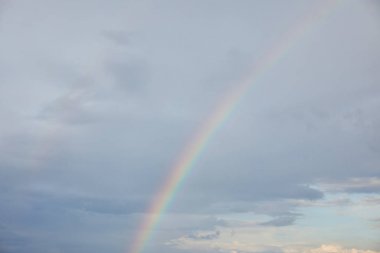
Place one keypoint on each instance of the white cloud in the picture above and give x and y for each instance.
(237, 246)
(327, 248)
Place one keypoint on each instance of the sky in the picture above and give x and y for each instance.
(98, 100)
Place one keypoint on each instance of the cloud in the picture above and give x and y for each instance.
(97, 100)
(53, 222)
(194, 243)
(376, 222)
(328, 248)
(118, 37)
(129, 75)
(199, 244)
(11, 241)
(234, 193)
(205, 235)
(73, 107)
(281, 221)
(353, 185)
(372, 200)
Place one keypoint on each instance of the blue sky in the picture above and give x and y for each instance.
(98, 98)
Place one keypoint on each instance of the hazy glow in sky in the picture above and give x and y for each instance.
(99, 98)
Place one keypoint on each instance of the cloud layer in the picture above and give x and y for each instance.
(97, 100)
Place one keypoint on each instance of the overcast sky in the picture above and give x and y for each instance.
(99, 98)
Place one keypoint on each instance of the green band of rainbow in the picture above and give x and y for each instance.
(191, 152)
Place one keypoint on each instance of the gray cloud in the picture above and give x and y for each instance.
(118, 36)
(70, 108)
(98, 100)
(129, 75)
(280, 221)
(353, 185)
(205, 236)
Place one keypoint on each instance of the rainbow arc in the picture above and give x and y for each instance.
(194, 149)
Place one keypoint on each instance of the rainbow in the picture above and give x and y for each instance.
(193, 150)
